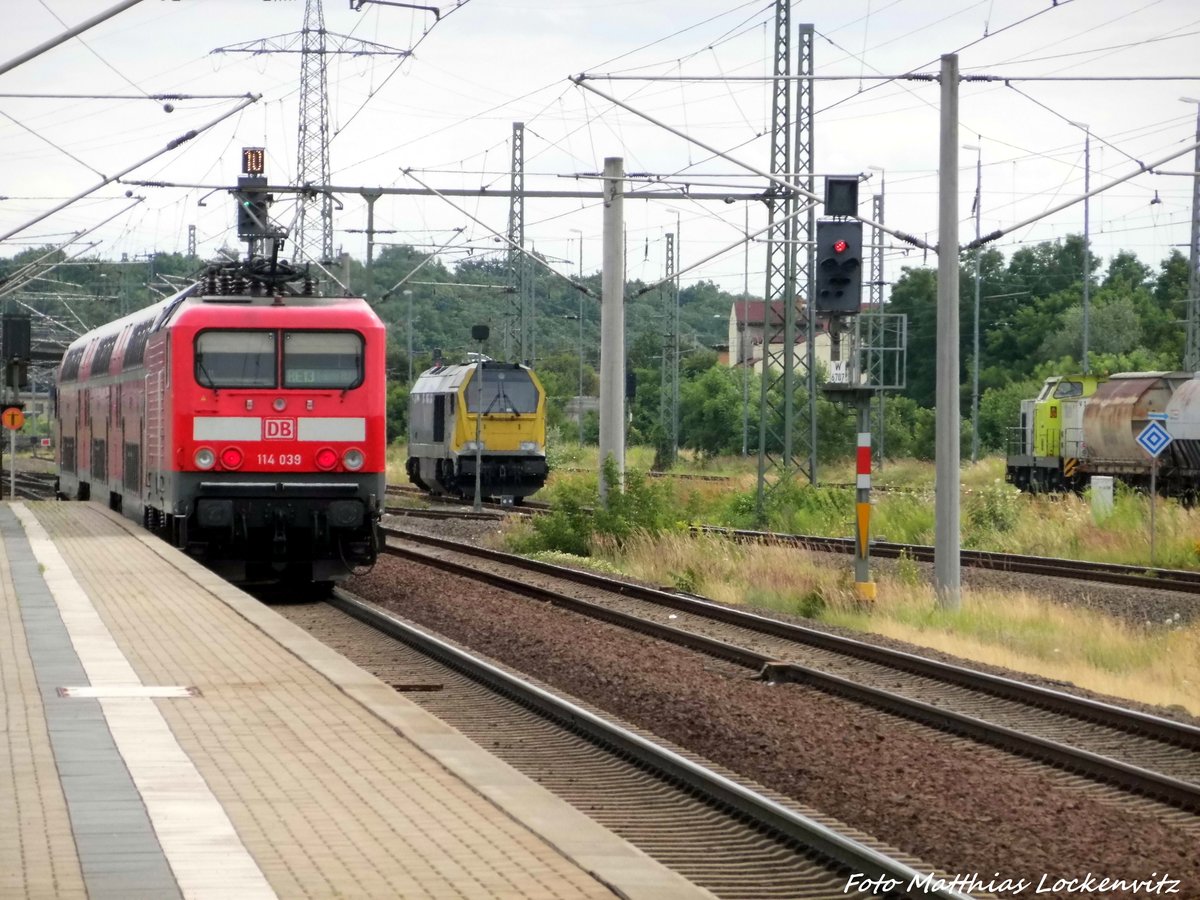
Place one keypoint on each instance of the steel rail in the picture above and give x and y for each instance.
(1085, 570)
(804, 831)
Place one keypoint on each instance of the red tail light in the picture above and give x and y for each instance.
(327, 458)
(231, 458)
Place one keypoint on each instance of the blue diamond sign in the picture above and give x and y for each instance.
(1154, 438)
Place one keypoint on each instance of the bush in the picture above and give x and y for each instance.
(577, 516)
(992, 510)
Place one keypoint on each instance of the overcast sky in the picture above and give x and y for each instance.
(447, 114)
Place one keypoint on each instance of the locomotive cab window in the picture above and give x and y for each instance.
(322, 359)
(1068, 389)
(235, 359)
(505, 390)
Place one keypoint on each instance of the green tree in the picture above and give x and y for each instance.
(1000, 411)
(710, 412)
(397, 412)
(915, 296)
(1113, 327)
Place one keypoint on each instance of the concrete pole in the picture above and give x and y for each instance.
(612, 327)
(370, 197)
(946, 573)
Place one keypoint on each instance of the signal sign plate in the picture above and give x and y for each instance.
(13, 418)
(1154, 438)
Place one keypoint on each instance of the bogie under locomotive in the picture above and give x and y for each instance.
(505, 402)
(244, 425)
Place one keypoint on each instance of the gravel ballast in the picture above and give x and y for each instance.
(963, 807)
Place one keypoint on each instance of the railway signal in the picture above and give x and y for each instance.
(253, 219)
(838, 275)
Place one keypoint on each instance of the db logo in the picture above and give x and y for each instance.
(280, 429)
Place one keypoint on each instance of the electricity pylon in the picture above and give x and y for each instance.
(312, 146)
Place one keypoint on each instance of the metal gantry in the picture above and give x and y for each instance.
(787, 437)
(876, 309)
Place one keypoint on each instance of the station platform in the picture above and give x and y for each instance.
(168, 736)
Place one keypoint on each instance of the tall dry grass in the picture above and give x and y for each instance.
(1020, 631)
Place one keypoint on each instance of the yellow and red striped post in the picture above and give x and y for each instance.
(862, 533)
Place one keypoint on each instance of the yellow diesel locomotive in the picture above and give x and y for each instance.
(504, 403)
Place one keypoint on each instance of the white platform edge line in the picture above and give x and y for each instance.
(201, 845)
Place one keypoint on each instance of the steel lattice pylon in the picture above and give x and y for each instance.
(668, 406)
(787, 440)
(1191, 346)
(516, 328)
(312, 148)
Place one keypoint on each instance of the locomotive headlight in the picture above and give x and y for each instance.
(472, 446)
(279, 404)
(530, 446)
(231, 458)
(204, 458)
(353, 459)
(326, 458)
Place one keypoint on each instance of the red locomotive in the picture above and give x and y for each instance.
(242, 419)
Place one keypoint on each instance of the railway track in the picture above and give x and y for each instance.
(1180, 580)
(730, 837)
(1151, 757)
(30, 485)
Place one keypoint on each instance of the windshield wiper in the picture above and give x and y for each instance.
(204, 371)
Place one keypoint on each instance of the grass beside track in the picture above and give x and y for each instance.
(1158, 663)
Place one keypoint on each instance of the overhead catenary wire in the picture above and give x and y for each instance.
(774, 179)
(1142, 167)
(537, 259)
(179, 141)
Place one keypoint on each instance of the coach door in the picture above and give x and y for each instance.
(153, 417)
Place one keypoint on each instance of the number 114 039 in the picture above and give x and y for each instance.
(279, 459)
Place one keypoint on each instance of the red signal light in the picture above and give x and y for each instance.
(231, 457)
(839, 246)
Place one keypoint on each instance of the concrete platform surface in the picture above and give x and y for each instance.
(167, 735)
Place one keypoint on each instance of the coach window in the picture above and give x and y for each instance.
(235, 359)
(322, 359)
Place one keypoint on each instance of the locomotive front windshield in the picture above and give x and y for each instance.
(505, 390)
(332, 360)
(235, 359)
(322, 359)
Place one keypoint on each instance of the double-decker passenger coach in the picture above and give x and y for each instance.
(242, 421)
